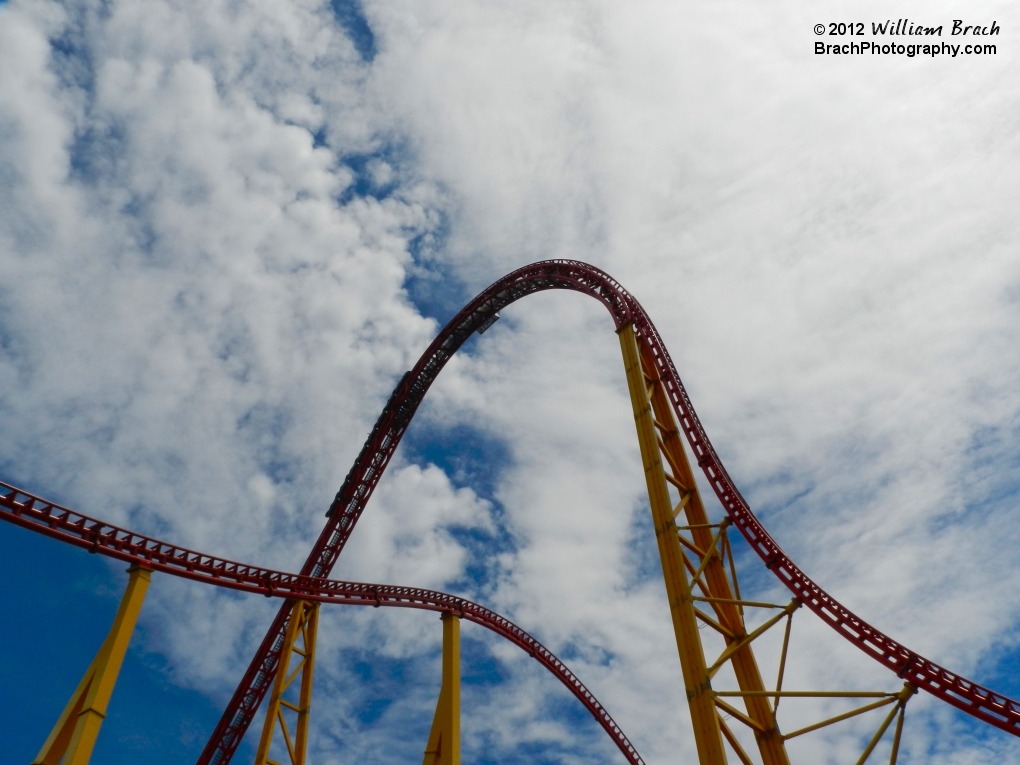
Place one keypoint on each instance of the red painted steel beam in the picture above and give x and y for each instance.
(350, 501)
(31, 512)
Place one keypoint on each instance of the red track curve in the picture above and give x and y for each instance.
(350, 502)
(31, 512)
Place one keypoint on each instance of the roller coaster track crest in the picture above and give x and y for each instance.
(656, 391)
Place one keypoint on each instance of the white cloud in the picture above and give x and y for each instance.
(828, 246)
(196, 334)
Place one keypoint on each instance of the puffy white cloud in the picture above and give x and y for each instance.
(199, 322)
(827, 245)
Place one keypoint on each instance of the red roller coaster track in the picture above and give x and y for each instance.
(350, 501)
(31, 512)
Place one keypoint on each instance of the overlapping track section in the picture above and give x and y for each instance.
(31, 512)
(580, 277)
(350, 502)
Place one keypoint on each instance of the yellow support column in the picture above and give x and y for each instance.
(304, 622)
(707, 731)
(745, 667)
(444, 739)
(73, 737)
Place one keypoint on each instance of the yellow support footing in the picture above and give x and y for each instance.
(73, 737)
(303, 625)
(444, 739)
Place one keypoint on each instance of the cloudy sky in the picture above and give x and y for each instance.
(227, 228)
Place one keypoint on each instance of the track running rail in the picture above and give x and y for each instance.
(30, 512)
(478, 315)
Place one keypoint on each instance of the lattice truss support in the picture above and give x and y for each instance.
(443, 747)
(701, 585)
(299, 642)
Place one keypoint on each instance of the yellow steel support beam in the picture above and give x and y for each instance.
(73, 737)
(666, 464)
(708, 735)
(840, 718)
(443, 747)
(303, 625)
(745, 667)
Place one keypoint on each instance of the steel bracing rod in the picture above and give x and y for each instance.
(734, 744)
(904, 697)
(732, 648)
(978, 701)
(31, 512)
(841, 717)
(782, 659)
(897, 735)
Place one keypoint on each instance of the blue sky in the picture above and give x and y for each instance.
(227, 230)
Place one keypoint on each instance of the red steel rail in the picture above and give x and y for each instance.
(31, 512)
(477, 316)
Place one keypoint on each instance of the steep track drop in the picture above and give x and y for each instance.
(350, 501)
